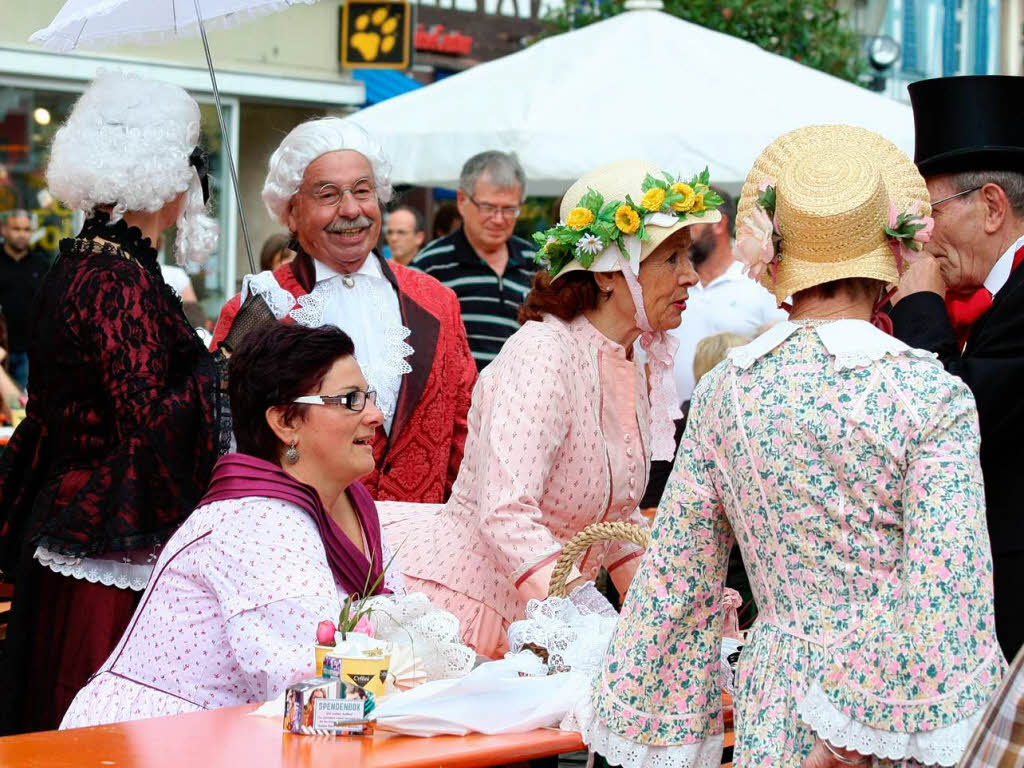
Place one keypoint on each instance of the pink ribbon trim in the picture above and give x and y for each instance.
(661, 352)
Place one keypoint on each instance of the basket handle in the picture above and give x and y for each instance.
(586, 538)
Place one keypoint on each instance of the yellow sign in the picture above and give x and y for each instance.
(376, 34)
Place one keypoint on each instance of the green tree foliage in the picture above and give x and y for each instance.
(817, 33)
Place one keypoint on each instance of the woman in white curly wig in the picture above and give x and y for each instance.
(122, 425)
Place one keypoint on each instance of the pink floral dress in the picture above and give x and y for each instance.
(846, 465)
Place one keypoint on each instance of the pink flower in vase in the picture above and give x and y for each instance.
(363, 627)
(325, 632)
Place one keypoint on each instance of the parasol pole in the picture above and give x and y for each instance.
(225, 138)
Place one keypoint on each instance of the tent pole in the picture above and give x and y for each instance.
(225, 137)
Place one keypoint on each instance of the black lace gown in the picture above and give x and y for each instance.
(119, 440)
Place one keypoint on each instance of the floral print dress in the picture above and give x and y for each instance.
(846, 466)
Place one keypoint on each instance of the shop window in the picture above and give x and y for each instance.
(29, 118)
(28, 121)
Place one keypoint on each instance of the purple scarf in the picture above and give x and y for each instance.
(238, 475)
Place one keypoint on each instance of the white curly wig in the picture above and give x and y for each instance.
(126, 144)
(306, 143)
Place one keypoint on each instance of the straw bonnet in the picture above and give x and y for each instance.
(615, 182)
(833, 188)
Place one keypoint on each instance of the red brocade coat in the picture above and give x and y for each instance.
(420, 458)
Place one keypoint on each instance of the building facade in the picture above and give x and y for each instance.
(944, 38)
(273, 73)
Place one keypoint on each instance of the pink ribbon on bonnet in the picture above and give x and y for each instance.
(661, 350)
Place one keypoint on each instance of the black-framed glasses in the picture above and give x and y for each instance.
(355, 400)
(330, 195)
(951, 197)
(488, 210)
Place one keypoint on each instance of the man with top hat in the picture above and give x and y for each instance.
(326, 183)
(964, 300)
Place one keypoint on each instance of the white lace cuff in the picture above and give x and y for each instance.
(620, 751)
(264, 284)
(110, 573)
(943, 746)
(587, 599)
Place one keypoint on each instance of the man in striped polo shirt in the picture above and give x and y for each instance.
(487, 266)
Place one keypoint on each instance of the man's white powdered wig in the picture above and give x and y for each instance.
(126, 144)
(306, 143)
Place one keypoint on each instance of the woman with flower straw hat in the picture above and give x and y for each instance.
(846, 465)
(562, 428)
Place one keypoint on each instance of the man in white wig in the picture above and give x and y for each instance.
(327, 183)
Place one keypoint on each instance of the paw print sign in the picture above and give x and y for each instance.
(375, 34)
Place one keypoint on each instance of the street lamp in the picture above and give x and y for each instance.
(883, 52)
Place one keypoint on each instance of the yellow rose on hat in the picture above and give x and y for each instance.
(698, 204)
(579, 218)
(627, 220)
(689, 197)
(653, 199)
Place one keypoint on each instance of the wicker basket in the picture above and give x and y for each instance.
(586, 538)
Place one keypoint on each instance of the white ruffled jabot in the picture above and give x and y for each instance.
(365, 306)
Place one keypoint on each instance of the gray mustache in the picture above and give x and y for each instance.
(338, 225)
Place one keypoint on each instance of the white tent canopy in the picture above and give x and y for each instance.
(641, 84)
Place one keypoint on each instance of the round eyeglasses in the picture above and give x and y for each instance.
(355, 400)
(330, 195)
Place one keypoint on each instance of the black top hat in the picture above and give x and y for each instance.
(968, 124)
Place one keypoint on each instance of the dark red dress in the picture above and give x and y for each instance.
(119, 440)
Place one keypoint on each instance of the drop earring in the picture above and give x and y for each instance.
(292, 454)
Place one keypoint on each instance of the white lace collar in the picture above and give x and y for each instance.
(370, 268)
(851, 343)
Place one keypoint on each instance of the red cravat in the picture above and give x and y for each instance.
(965, 311)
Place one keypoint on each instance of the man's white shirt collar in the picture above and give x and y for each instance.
(1000, 273)
(370, 268)
(734, 272)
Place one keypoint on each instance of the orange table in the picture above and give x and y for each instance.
(228, 738)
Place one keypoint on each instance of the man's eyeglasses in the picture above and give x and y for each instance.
(951, 197)
(488, 211)
(330, 195)
(354, 401)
